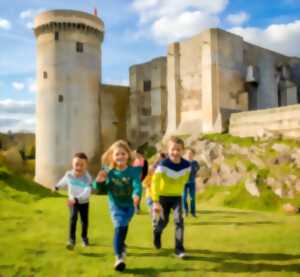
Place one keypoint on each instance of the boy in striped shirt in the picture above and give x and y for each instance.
(167, 187)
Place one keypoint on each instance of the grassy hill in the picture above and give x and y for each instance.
(220, 242)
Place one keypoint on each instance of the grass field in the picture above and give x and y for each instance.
(220, 242)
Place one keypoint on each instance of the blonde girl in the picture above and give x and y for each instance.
(123, 186)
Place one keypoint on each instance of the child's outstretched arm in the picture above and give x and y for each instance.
(63, 183)
(99, 183)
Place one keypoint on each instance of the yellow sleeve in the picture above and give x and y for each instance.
(155, 185)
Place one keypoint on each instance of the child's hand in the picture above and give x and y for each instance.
(71, 202)
(156, 207)
(136, 200)
(101, 177)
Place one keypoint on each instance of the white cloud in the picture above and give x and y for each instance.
(18, 86)
(238, 19)
(5, 24)
(150, 9)
(283, 38)
(30, 25)
(173, 28)
(170, 20)
(121, 82)
(13, 106)
(28, 15)
(17, 116)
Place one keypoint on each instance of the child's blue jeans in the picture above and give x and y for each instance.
(119, 240)
(190, 188)
(121, 217)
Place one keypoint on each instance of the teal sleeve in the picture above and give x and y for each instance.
(101, 188)
(137, 185)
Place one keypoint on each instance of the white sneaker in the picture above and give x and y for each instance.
(180, 255)
(119, 264)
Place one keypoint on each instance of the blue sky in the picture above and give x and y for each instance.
(136, 31)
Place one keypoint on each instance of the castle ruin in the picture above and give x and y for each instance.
(194, 89)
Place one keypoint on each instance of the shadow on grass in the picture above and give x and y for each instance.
(92, 255)
(150, 271)
(249, 262)
(217, 223)
(257, 267)
(246, 256)
(161, 253)
(22, 184)
(226, 212)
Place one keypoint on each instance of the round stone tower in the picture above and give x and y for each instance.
(68, 99)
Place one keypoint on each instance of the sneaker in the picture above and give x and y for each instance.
(85, 243)
(119, 264)
(157, 241)
(70, 245)
(180, 255)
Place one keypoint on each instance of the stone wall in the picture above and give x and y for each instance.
(148, 101)
(114, 112)
(216, 73)
(283, 121)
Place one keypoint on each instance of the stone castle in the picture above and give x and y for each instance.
(194, 89)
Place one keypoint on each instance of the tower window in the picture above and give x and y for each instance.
(147, 85)
(56, 35)
(45, 75)
(60, 98)
(79, 47)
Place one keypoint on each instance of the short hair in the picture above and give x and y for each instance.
(176, 140)
(81, 156)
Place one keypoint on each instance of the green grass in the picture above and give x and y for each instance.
(220, 242)
(227, 139)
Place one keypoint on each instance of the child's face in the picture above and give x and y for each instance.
(175, 152)
(190, 155)
(120, 157)
(79, 166)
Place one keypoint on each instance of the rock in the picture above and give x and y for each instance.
(257, 161)
(236, 149)
(281, 159)
(296, 157)
(280, 192)
(240, 167)
(290, 208)
(281, 148)
(251, 187)
(232, 179)
(204, 172)
(297, 186)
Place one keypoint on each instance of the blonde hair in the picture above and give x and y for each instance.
(106, 158)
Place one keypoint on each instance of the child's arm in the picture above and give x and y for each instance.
(63, 182)
(99, 183)
(155, 185)
(87, 191)
(197, 166)
(137, 188)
